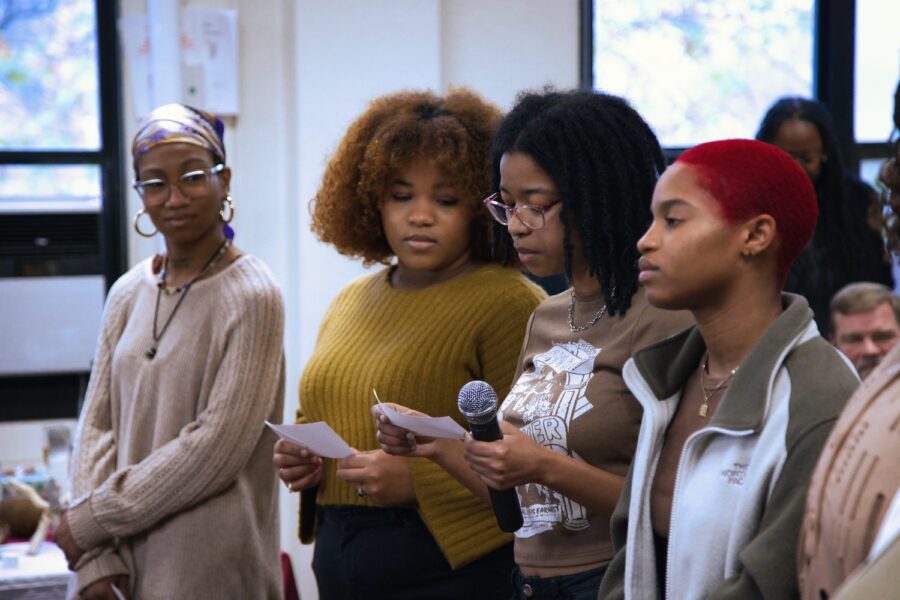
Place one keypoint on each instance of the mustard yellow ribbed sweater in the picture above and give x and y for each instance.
(417, 348)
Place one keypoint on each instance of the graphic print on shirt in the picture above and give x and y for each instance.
(548, 400)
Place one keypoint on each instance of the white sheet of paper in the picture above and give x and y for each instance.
(318, 437)
(890, 528)
(438, 427)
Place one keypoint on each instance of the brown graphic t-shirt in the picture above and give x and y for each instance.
(569, 396)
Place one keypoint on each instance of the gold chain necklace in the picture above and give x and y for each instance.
(704, 408)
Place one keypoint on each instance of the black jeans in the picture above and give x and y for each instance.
(374, 553)
(578, 586)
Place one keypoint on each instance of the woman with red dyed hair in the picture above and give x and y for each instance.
(736, 409)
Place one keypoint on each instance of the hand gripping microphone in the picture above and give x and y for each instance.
(478, 404)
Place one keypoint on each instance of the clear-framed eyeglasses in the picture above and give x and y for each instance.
(193, 184)
(532, 216)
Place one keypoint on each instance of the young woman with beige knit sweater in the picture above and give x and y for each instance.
(573, 177)
(174, 497)
(404, 187)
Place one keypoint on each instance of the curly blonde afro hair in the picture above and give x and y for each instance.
(455, 131)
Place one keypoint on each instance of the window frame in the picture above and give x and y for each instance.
(108, 157)
(59, 395)
(834, 55)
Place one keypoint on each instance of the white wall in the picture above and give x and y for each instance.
(500, 47)
(348, 52)
(307, 69)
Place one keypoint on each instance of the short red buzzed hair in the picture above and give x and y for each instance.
(749, 178)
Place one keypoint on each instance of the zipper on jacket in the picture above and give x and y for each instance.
(678, 479)
(660, 414)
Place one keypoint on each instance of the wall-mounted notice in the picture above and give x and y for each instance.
(209, 60)
(209, 64)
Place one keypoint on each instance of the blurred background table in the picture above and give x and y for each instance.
(43, 576)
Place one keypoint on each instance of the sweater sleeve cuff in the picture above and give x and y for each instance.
(463, 526)
(108, 564)
(88, 533)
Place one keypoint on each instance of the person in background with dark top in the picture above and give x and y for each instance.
(174, 495)
(856, 483)
(405, 186)
(845, 247)
(889, 179)
(573, 174)
(736, 409)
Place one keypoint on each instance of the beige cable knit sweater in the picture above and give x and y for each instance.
(172, 478)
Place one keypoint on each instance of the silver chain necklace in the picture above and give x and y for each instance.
(576, 328)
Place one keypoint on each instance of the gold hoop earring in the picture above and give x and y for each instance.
(137, 226)
(229, 202)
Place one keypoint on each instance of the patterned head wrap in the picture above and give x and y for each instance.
(179, 123)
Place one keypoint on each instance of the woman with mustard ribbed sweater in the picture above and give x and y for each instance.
(573, 175)
(405, 183)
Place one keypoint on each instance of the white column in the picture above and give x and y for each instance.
(164, 30)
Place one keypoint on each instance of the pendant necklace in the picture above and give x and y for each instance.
(183, 289)
(704, 408)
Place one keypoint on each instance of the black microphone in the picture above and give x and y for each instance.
(478, 404)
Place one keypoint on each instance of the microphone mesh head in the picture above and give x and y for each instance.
(477, 399)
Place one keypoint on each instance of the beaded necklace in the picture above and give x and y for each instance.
(182, 289)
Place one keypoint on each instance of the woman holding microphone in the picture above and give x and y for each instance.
(573, 176)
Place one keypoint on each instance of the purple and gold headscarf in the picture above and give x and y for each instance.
(179, 123)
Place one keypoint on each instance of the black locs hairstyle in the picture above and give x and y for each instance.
(897, 107)
(837, 228)
(604, 160)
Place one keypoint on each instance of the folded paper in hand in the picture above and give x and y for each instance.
(436, 427)
(318, 437)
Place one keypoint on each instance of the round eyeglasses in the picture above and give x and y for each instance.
(193, 184)
(531, 215)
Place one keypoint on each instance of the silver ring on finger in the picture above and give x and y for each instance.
(361, 492)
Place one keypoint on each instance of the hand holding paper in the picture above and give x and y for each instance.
(299, 468)
(397, 440)
(422, 425)
(318, 437)
(406, 432)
